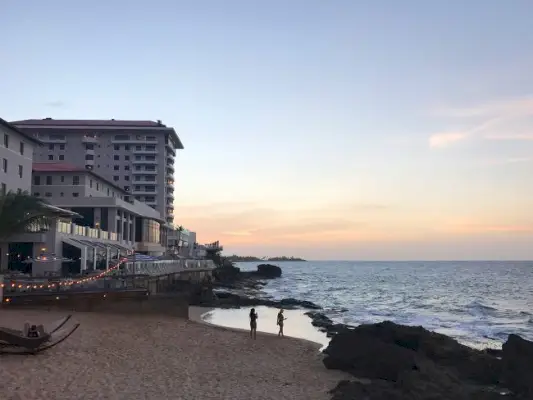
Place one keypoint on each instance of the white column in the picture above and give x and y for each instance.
(83, 259)
(94, 258)
(107, 258)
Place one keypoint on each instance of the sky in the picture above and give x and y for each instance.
(342, 129)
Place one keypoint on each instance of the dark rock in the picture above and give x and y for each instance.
(268, 271)
(411, 363)
(298, 303)
(367, 357)
(517, 368)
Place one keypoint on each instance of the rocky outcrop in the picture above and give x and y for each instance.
(401, 362)
(517, 369)
(234, 300)
(268, 271)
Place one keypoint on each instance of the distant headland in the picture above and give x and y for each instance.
(236, 258)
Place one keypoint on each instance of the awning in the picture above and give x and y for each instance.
(61, 211)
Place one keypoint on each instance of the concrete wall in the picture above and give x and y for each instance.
(14, 158)
(110, 302)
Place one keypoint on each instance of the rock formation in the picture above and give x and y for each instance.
(395, 362)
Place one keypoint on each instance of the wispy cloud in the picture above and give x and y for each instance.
(55, 104)
(493, 120)
(444, 139)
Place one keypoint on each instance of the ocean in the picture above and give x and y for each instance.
(479, 303)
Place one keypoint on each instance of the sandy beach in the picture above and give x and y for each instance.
(125, 357)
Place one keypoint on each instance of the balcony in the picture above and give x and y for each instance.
(170, 196)
(89, 139)
(73, 229)
(144, 172)
(145, 151)
(132, 140)
(145, 162)
(170, 168)
(170, 159)
(170, 148)
(144, 192)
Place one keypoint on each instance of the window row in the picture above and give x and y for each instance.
(6, 144)
(5, 168)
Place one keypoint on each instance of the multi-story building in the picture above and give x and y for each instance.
(137, 156)
(100, 204)
(16, 152)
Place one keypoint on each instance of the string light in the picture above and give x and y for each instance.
(66, 283)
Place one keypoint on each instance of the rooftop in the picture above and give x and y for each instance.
(66, 167)
(6, 124)
(98, 124)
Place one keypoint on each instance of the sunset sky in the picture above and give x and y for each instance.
(342, 129)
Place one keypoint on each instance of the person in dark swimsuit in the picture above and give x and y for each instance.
(280, 322)
(253, 323)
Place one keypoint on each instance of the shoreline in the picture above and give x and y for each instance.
(196, 313)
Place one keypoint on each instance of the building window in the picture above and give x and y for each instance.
(89, 146)
(48, 180)
(75, 194)
(48, 194)
(127, 188)
(126, 178)
(89, 157)
(21, 148)
(61, 147)
(138, 158)
(150, 231)
(138, 148)
(90, 183)
(4, 189)
(108, 191)
(36, 194)
(61, 157)
(150, 148)
(116, 167)
(137, 188)
(116, 147)
(116, 158)
(61, 194)
(50, 157)
(20, 171)
(115, 178)
(51, 146)
(6, 141)
(127, 158)
(62, 179)
(150, 138)
(126, 167)
(75, 180)
(36, 180)
(97, 186)
(127, 147)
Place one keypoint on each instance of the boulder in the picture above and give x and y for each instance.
(268, 271)
(441, 349)
(517, 365)
(366, 357)
(405, 362)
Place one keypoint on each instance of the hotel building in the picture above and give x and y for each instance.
(137, 156)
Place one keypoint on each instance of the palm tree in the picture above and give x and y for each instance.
(180, 229)
(20, 211)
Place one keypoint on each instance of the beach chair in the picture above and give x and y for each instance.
(16, 342)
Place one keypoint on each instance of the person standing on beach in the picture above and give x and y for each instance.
(281, 320)
(253, 323)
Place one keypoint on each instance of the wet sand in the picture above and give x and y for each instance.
(126, 357)
(298, 325)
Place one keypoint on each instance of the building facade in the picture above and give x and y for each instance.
(137, 156)
(16, 154)
(101, 204)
